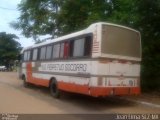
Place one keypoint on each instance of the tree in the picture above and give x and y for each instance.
(9, 49)
(82, 14)
(38, 17)
(149, 25)
(125, 12)
(59, 17)
(72, 16)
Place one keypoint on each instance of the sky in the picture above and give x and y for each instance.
(9, 13)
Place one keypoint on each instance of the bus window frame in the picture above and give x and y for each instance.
(44, 46)
(81, 37)
(51, 52)
(28, 60)
(68, 56)
(33, 52)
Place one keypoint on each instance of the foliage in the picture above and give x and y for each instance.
(9, 49)
(149, 25)
(59, 17)
(72, 16)
(37, 17)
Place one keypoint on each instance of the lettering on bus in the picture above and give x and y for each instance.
(63, 67)
(76, 67)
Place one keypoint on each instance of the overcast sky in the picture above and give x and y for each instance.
(9, 13)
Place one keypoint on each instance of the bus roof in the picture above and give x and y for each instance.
(85, 31)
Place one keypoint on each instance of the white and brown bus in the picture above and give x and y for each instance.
(101, 60)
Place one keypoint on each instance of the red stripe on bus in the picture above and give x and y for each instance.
(106, 91)
(72, 87)
(33, 80)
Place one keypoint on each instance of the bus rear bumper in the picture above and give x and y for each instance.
(111, 91)
(98, 91)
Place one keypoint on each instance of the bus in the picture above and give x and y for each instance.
(101, 60)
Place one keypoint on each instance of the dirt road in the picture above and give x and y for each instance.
(14, 98)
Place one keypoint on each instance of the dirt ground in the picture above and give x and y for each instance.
(14, 98)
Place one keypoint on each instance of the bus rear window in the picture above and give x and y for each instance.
(120, 41)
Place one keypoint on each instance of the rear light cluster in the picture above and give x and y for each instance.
(102, 81)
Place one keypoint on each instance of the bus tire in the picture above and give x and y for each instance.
(55, 92)
(25, 83)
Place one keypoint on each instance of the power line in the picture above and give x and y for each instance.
(8, 8)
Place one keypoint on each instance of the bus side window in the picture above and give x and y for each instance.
(38, 53)
(43, 53)
(25, 56)
(87, 46)
(34, 54)
(62, 50)
(29, 56)
(56, 50)
(49, 52)
(78, 49)
(71, 47)
(66, 49)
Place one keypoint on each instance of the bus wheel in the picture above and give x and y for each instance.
(55, 92)
(25, 84)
